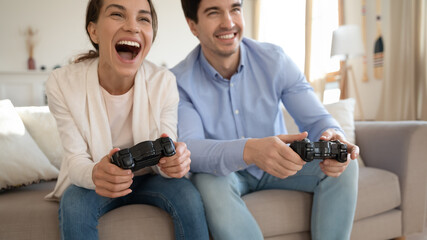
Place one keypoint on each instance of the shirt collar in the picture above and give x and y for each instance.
(214, 73)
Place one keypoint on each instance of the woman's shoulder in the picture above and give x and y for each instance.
(74, 70)
(154, 72)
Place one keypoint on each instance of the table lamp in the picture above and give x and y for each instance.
(347, 43)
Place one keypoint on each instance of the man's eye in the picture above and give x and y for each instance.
(212, 13)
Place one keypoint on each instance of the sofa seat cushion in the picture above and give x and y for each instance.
(26, 215)
(280, 212)
(379, 191)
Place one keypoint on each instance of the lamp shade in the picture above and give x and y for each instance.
(347, 42)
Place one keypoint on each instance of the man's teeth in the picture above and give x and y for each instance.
(129, 43)
(228, 36)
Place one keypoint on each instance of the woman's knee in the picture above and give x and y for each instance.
(77, 202)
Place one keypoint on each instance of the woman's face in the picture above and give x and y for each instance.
(124, 34)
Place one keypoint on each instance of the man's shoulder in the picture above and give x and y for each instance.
(186, 66)
(264, 48)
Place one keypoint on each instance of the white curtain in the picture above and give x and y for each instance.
(404, 95)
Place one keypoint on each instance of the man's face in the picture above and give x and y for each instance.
(220, 26)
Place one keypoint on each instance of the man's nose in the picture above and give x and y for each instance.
(227, 21)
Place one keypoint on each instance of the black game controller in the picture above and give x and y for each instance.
(144, 154)
(309, 151)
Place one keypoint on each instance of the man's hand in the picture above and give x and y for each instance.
(177, 165)
(110, 180)
(332, 167)
(273, 155)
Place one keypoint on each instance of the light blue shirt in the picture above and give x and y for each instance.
(216, 116)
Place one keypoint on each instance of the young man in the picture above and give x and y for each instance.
(229, 115)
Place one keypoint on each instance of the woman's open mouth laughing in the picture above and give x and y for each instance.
(128, 50)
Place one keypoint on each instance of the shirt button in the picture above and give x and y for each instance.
(231, 85)
(242, 137)
(236, 111)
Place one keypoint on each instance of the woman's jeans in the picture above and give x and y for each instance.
(81, 208)
(334, 201)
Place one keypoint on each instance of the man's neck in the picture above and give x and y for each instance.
(225, 65)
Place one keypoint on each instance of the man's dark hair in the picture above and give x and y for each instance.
(190, 8)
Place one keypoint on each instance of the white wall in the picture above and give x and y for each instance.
(60, 26)
(61, 32)
(369, 91)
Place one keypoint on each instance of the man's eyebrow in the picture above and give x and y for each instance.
(217, 8)
(142, 11)
(210, 9)
(237, 5)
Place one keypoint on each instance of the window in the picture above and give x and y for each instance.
(304, 30)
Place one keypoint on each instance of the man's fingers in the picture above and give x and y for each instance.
(292, 137)
(354, 151)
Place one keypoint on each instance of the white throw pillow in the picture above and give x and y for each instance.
(342, 111)
(21, 160)
(41, 125)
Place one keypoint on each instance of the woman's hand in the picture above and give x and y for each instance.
(110, 180)
(177, 165)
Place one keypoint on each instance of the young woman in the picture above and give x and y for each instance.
(113, 98)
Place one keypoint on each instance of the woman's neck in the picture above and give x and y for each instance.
(114, 83)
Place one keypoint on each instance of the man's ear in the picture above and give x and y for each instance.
(192, 26)
(91, 29)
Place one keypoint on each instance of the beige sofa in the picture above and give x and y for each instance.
(391, 200)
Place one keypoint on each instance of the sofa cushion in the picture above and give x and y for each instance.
(21, 160)
(41, 125)
(26, 215)
(276, 218)
(379, 191)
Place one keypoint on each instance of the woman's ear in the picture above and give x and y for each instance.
(91, 29)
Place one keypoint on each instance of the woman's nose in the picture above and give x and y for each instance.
(131, 25)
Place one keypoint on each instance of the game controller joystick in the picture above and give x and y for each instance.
(144, 154)
(309, 151)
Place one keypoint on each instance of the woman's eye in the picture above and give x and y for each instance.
(145, 20)
(114, 14)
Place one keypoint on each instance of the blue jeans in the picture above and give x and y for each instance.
(81, 208)
(334, 201)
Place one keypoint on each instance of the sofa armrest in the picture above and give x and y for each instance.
(399, 147)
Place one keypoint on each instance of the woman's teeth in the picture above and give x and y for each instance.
(129, 43)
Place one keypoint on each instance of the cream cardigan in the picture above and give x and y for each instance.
(75, 101)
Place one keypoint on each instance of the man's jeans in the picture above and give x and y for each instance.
(81, 208)
(334, 201)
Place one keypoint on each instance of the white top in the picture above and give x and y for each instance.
(76, 102)
(119, 112)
